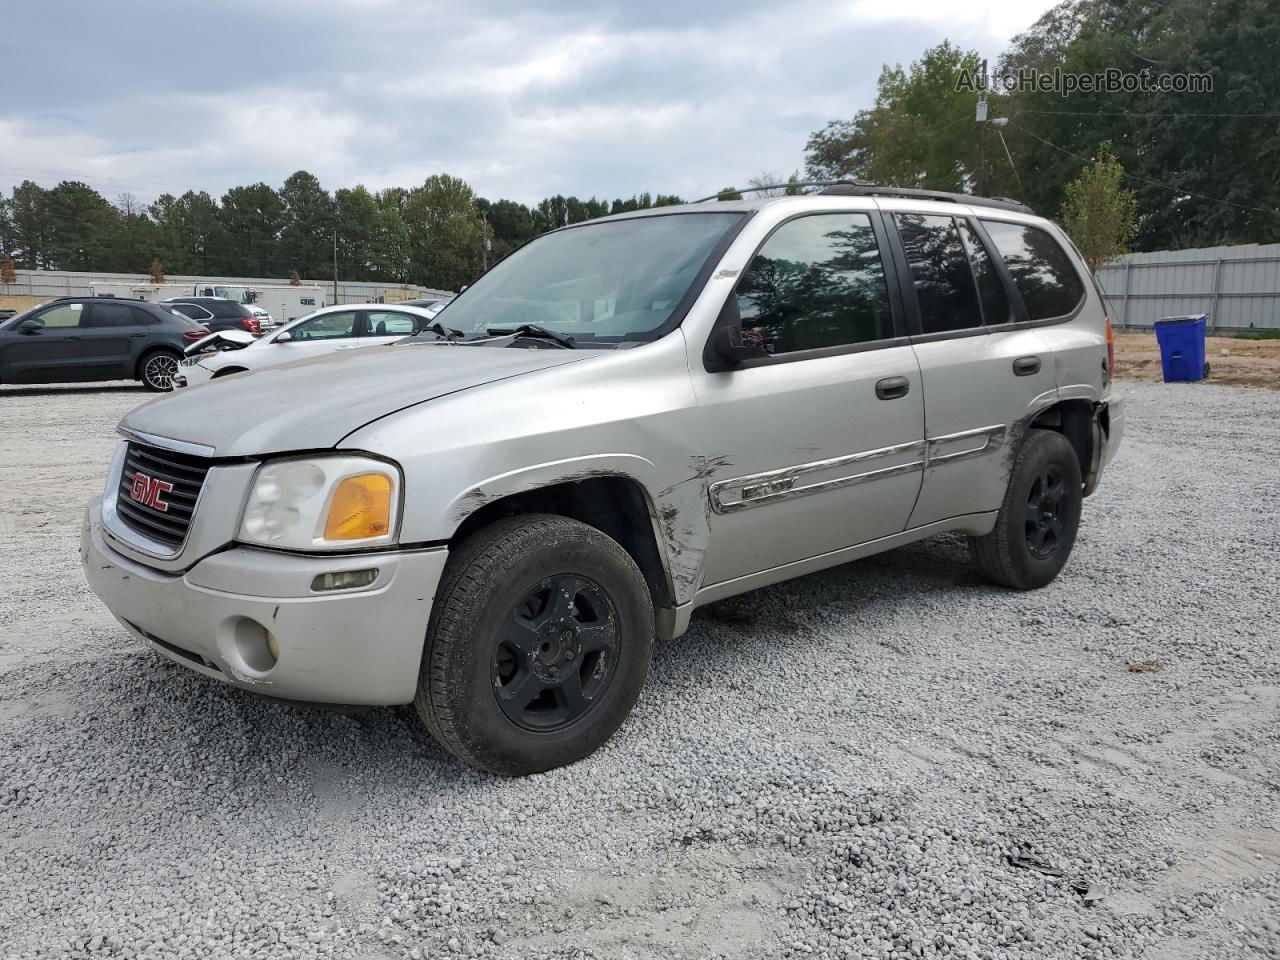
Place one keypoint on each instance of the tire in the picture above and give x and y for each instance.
(1035, 530)
(503, 646)
(157, 368)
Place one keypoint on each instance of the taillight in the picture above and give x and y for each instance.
(1111, 350)
(197, 334)
(251, 324)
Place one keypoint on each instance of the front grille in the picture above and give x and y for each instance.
(158, 512)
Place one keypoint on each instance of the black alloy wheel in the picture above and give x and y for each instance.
(1045, 525)
(555, 654)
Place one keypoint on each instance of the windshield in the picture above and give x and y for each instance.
(615, 281)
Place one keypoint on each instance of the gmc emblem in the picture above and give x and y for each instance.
(147, 490)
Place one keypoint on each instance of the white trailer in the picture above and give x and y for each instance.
(284, 302)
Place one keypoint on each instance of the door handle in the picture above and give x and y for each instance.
(1026, 366)
(137, 336)
(891, 388)
(71, 339)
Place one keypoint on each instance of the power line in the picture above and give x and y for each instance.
(1157, 183)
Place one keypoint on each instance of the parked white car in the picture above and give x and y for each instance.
(345, 327)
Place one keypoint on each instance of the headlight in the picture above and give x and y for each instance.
(325, 503)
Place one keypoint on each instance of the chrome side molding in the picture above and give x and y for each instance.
(757, 489)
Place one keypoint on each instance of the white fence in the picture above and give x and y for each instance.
(1238, 287)
(47, 284)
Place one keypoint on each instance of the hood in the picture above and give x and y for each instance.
(312, 404)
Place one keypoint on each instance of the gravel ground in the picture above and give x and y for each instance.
(840, 766)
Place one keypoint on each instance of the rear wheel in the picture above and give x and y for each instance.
(158, 369)
(539, 642)
(1036, 527)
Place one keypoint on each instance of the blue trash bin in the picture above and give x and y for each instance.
(1181, 342)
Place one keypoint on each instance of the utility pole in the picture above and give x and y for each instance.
(484, 242)
(335, 268)
(981, 118)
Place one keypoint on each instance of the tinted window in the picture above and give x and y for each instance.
(1042, 271)
(995, 302)
(63, 315)
(817, 282)
(330, 326)
(112, 315)
(391, 324)
(939, 272)
(228, 308)
(192, 310)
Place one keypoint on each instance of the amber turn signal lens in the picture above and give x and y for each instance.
(360, 508)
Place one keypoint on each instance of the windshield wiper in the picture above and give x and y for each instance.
(440, 330)
(535, 332)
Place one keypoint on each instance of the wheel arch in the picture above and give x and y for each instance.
(616, 504)
(1077, 420)
(150, 352)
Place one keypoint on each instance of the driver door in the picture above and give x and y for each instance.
(52, 354)
(821, 442)
(320, 335)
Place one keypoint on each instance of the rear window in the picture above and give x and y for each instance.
(228, 308)
(1042, 271)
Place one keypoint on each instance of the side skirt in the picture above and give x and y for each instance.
(974, 524)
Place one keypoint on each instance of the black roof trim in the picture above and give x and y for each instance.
(849, 189)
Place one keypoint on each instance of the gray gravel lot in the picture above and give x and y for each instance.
(839, 766)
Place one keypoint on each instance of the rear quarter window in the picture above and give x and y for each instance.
(1041, 269)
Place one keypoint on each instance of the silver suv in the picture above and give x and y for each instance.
(622, 421)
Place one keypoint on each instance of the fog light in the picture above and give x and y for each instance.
(345, 580)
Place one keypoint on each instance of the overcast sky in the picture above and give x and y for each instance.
(521, 99)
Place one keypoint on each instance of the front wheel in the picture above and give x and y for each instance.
(158, 370)
(539, 642)
(1037, 523)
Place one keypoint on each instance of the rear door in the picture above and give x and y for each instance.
(983, 372)
(820, 442)
(114, 335)
(51, 354)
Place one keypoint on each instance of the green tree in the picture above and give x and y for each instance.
(444, 233)
(920, 132)
(357, 228)
(307, 225)
(1099, 214)
(729, 193)
(251, 219)
(29, 226)
(83, 227)
(188, 233)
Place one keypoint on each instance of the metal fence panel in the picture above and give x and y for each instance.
(1239, 287)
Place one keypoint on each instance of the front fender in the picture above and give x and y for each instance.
(678, 505)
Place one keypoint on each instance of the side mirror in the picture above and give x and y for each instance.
(726, 348)
(283, 338)
(31, 326)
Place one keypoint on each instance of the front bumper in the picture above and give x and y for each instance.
(353, 647)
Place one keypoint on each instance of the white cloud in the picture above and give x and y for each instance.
(522, 100)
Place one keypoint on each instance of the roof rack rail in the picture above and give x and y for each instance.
(861, 188)
(853, 188)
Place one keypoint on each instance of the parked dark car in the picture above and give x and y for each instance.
(75, 339)
(217, 313)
